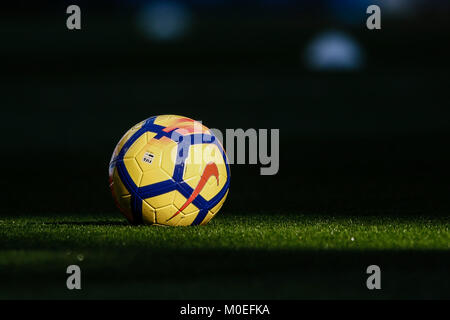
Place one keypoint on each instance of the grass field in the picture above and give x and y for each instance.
(254, 256)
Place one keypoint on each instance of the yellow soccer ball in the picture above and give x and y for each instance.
(169, 170)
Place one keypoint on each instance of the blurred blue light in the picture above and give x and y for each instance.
(164, 20)
(334, 50)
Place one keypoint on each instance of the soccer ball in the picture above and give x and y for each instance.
(169, 170)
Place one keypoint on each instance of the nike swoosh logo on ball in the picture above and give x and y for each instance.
(209, 171)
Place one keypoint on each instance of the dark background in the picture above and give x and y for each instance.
(370, 139)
